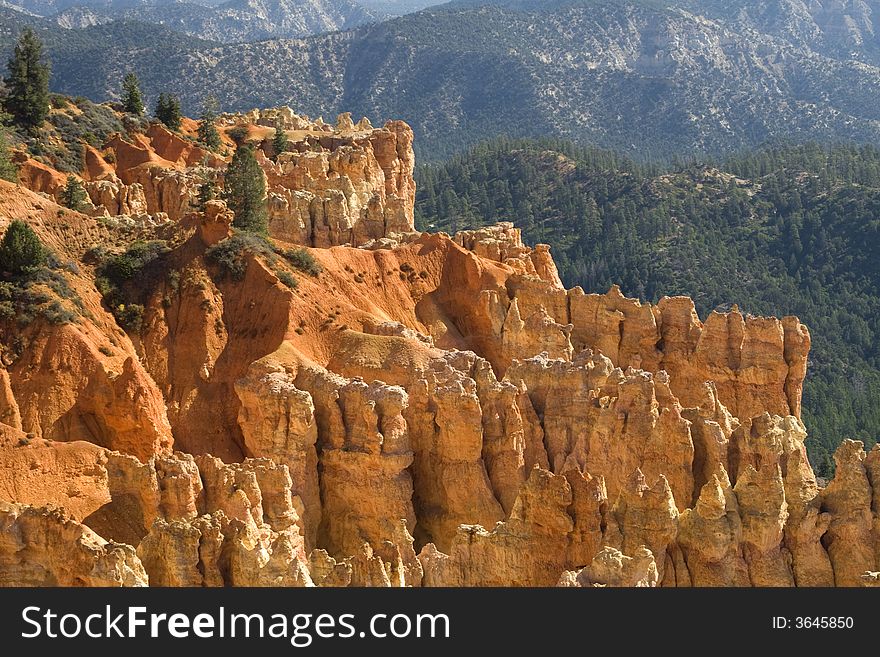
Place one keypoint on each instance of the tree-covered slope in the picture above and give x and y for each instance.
(788, 231)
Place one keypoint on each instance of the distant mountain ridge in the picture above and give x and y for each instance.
(641, 77)
(227, 22)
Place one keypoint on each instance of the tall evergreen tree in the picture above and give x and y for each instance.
(73, 195)
(207, 133)
(207, 192)
(28, 83)
(168, 110)
(8, 170)
(245, 188)
(279, 141)
(132, 99)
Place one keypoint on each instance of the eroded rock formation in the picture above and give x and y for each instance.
(426, 410)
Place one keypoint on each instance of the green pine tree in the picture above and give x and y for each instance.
(73, 195)
(207, 134)
(132, 99)
(20, 249)
(8, 170)
(245, 188)
(168, 110)
(28, 83)
(207, 192)
(279, 141)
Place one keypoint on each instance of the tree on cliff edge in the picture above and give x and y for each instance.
(132, 99)
(279, 141)
(28, 83)
(207, 192)
(245, 191)
(207, 134)
(168, 111)
(73, 195)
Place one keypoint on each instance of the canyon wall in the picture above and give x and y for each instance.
(429, 410)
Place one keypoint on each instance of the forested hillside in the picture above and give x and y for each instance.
(788, 231)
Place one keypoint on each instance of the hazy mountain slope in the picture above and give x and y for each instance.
(840, 29)
(646, 80)
(228, 22)
(398, 7)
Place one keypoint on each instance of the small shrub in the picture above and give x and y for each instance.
(7, 310)
(287, 278)
(122, 277)
(94, 124)
(39, 292)
(126, 266)
(302, 260)
(97, 254)
(174, 281)
(56, 313)
(130, 316)
(231, 254)
(238, 134)
(58, 101)
(55, 281)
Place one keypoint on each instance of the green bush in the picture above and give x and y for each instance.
(231, 254)
(58, 101)
(238, 134)
(130, 316)
(302, 260)
(7, 310)
(126, 266)
(39, 292)
(123, 279)
(56, 313)
(20, 249)
(287, 279)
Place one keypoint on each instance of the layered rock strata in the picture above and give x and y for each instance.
(429, 410)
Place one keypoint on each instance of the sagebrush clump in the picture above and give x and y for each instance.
(231, 255)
